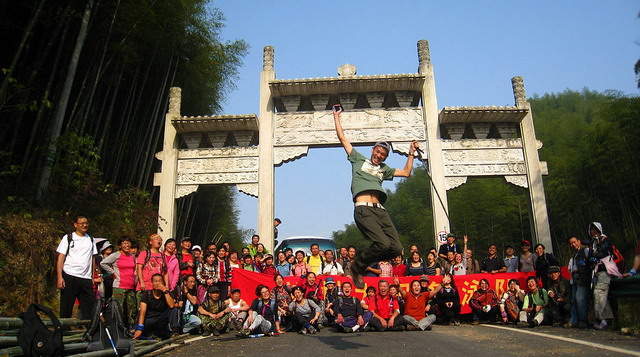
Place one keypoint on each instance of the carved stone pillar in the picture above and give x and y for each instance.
(540, 230)
(265, 150)
(434, 144)
(166, 206)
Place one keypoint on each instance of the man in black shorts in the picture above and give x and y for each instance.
(369, 196)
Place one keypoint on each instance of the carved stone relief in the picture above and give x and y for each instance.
(347, 70)
(375, 99)
(483, 155)
(209, 165)
(481, 130)
(217, 138)
(319, 101)
(284, 154)
(455, 130)
(217, 178)
(250, 189)
(423, 52)
(507, 130)
(267, 58)
(224, 152)
(405, 98)
(518, 90)
(369, 125)
(348, 100)
(453, 182)
(291, 102)
(484, 169)
(184, 190)
(518, 180)
(243, 137)
(175, 98)
(481, 144)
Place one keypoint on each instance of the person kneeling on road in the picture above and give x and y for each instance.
(535, 305)
(350, 316)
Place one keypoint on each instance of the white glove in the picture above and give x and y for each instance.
(486, 308)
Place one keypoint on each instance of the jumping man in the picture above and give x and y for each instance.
(369, 214)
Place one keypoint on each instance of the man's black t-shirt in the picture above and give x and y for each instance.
(155, 306)
(491, 264)
(445, 248)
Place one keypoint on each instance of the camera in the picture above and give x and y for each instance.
(337, 107)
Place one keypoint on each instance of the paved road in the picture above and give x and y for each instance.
(465, 340)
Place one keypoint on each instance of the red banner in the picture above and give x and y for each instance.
(247, 281)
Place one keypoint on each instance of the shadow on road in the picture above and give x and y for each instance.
(338, 342)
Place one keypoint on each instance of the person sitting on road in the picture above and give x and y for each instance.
(432, 266)
(330, 297)
(369, 298)
(306, 313)
(214, 313)
(416, 309)
(386, 311)
(535, 305)
(350, 315)
(484, 303)
(155, 307)
(559, 291)
(492, 263)
(415, 266)
(239, 308)
(448, 301)
(188, 304)
(394, 291)
(263, 315)
(330, 266)
(511, 302)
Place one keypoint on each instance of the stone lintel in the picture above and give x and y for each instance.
(216, 123)
(481, 114)
(347, 84)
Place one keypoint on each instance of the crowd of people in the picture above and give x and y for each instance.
(171, 287)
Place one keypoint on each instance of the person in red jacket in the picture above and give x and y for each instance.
(484, 303)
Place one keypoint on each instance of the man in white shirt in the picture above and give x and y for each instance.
(329, 266)
(75, 267)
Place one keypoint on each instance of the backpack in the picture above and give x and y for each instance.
(107, 329)
(35, 338)
(324, 263)
(618, 258)
(70, 242)
(165, 268)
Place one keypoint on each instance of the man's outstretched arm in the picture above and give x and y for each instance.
(343, 139)
(406, 172)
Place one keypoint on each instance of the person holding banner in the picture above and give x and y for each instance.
(372, 219)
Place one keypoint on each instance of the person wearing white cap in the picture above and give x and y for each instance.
(368, 195)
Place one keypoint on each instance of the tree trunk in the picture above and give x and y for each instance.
(61, 108)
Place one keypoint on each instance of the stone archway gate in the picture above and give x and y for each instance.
(295, 115)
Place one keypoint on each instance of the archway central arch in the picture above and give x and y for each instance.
(295, 115)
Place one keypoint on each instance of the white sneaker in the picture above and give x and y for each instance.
(602, 325)
(355, 328)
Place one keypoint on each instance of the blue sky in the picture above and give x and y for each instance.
(476, 47)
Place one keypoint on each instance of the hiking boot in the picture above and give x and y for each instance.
(216, 332)
(412, 328)
(475, 322)
(601, 326)
(429, 328)
(567, 325)
(303, 331)
(312, 330)
(522, 324)
(398, 328)
(357, 273)
(347, 330)
(245, 332)
(206, 333)
(456, 322)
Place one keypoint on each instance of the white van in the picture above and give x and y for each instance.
(303, 243)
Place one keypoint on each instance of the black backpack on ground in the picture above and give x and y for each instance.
(107, 329)
(35, 338)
